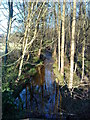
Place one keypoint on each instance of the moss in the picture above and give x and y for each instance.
(35, 59)
(59, 78)
(8, 78)
(32, 71)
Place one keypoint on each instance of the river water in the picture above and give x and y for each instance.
(41, 97)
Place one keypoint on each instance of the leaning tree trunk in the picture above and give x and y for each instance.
(63, 37)
(26, 36)
(25, 41)
(72, 46)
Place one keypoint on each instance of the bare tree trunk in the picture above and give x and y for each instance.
(21, 63)
(1, 81)
(24, 43)
(39, 53)
(63, 37)
(83, 46)
(24, 7)
(78, 34)
(42, 36)
(54, 53)
(83, 52)
(59, 26)
(72, 46)
(10, 4)
(55, 44)
(26, 36)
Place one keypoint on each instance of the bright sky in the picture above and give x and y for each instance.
(4, 12)
(4, 16)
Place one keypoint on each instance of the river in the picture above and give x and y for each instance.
(41, 97)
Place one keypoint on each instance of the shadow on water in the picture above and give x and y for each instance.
(44, 98)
